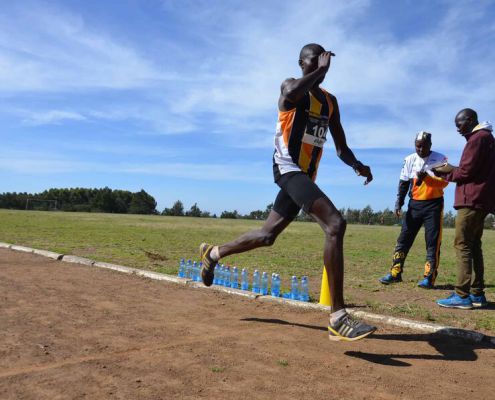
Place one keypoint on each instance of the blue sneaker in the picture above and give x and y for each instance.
(456, 301)
(478, 301)
(389, 278)
(426, 283)
(395, 275)
(429, 277)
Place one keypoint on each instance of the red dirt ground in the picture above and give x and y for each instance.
(76, 332)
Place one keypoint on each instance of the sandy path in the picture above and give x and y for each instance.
(74, 332)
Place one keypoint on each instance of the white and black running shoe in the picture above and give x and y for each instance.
(348, 330)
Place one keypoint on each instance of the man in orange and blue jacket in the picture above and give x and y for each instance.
(425, 208)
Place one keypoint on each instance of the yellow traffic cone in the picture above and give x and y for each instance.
(325, 290)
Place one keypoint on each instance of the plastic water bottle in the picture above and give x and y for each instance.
(216, 274)
(194, 271)
(304, 290)
(226, 276)
(256, 281)
(198, 272)
(275, 289)
(264, 284)
(244, 279)
(234, 281)
(188, 269)
(220, 275)
(294, 290)
(182, 269)
(197, 276)
(223, 274)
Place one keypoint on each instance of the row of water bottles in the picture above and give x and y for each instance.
(190, 270)
(229, 277)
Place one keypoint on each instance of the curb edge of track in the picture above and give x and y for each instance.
(425, 327)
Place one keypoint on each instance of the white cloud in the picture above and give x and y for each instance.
(52, 117)
(412, 80)
(124, 149)
(59, 52)
(224, 79)
(35, 163)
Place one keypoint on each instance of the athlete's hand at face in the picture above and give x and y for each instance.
(364, 170)
(324, 60)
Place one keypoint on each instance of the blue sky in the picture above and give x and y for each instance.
(179, 98)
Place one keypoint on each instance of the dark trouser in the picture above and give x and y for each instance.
(430, 214)
(468, 231)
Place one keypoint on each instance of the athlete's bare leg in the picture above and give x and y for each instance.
(334, 225)
(265, 236)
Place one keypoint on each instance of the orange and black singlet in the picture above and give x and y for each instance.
(300, 136)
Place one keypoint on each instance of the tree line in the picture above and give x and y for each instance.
(82, 199)
(177, 210)
(365, 216)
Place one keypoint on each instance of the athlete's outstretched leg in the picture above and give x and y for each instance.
(274, 225)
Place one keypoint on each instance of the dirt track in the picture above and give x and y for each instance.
(75, 332)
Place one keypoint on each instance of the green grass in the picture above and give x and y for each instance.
(217, 369)
(283, 363)
(157, 243)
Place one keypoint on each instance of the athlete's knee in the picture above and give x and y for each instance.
(267, 238)
(335, 227)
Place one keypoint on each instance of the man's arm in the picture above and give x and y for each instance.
(293, 90)
(343, 151)
(401, 195)
(471, 159)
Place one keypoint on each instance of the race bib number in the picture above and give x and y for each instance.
(316, 132)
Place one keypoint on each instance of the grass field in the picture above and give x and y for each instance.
(157, 243)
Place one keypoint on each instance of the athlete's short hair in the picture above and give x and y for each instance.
(423, 135)
(311, 48)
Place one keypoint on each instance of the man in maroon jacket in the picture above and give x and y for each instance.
(474, 199)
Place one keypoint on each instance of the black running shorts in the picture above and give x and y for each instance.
(297, 191)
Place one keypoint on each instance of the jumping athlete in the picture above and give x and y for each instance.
(306, 111)
(425, 208)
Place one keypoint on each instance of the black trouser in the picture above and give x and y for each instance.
(430, 214)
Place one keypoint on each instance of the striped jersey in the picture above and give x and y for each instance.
(300, 136)
(431, 187)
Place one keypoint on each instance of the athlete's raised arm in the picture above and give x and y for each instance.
(343, 151)
(293, 90)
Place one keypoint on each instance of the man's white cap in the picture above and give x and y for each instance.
(423, 135)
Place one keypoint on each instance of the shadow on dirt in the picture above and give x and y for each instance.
(449, 348)
(282, 322)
